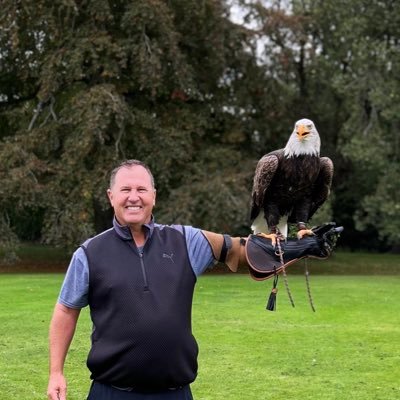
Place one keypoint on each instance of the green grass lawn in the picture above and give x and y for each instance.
(348, 349)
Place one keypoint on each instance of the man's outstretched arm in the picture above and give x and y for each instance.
(62, 329)
(263, 258)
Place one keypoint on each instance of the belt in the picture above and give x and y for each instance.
(133, 389)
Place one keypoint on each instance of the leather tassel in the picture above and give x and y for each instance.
(271, 304)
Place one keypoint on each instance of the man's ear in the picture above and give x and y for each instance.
(110, 196)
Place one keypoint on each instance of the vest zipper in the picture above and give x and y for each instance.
(146, 285)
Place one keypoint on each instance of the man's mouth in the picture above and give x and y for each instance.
(133, 208)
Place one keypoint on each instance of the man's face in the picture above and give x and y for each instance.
(132, 196)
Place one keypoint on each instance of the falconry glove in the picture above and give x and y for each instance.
(262, 258)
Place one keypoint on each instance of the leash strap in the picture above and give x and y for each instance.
(285, 280)
(308, 285)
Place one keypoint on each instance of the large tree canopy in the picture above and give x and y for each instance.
(88, 83)
(177, 84)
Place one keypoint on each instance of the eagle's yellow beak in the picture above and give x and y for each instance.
(302, 131)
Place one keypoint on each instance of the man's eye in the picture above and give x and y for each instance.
(142, 190)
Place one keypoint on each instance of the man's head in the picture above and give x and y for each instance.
(132, 193)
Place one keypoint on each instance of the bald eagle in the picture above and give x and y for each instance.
(290, 184)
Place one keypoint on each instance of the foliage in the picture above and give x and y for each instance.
(198, 97)
(382, 208)
(8, 242)
(370, 135)
(100, 81)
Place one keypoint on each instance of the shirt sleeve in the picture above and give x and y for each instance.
(200, 253)
(74, 290)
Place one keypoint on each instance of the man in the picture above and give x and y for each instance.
(138, 280)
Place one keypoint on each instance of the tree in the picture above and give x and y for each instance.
(366, 55)
(89, 83)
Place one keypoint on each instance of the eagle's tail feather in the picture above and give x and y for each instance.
(283, 226)
(259, 225)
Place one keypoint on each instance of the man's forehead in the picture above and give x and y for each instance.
(136, 172)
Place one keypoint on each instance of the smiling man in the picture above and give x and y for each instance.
(138, 279)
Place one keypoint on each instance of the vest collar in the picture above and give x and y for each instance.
(124, 232)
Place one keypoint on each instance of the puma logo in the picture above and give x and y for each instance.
(169, 256)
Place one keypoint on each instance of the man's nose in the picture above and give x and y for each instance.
(133, 195)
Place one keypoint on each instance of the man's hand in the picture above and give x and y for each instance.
(57, 389)
(62, 328)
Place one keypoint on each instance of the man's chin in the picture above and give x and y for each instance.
(135, 222)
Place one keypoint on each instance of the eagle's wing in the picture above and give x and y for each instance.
(263, 175)
(322, 185)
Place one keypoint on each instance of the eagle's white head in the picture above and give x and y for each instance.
(303, 140)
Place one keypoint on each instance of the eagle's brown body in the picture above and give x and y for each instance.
(291, 191)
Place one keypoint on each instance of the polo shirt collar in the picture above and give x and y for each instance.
(124, 232)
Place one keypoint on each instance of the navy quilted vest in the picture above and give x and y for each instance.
(140, 305)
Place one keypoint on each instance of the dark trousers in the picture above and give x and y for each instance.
(99, 391)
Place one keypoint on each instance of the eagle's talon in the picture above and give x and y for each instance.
(273, 237)
(304, 232)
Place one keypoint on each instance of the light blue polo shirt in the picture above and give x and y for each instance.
(74, 290)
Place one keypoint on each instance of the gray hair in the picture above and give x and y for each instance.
(128, 164)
